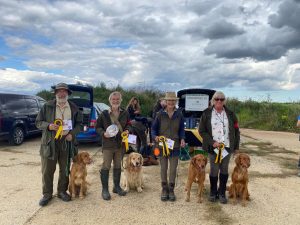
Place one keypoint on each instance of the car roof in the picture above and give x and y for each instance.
(100, 106)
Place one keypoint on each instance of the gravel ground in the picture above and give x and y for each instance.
(274, 190)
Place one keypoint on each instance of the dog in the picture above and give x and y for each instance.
(78, 174)
(239, 178)
(133, 172)
(196, 173)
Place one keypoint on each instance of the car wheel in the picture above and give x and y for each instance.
(17, 136)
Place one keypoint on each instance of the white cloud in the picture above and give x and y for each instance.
(162, 44)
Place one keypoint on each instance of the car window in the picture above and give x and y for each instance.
(80, 98)
(41, 102)
(14, 104)
(32, 104)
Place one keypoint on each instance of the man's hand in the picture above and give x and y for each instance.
(69, 137)
(53, 126)
(106, 135)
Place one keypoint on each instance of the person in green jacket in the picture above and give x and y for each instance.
(220, 132)
(58, 145)
(169, 123)
(112, 142)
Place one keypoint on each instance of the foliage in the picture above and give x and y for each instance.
(265, 115)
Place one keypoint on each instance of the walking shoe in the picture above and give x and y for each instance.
(45, 200)
(64, 196)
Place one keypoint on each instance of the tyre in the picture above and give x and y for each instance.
(17, 136)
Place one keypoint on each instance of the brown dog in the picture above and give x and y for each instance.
(133, 172)
(196, 174)
(239, 178)
(78, 183)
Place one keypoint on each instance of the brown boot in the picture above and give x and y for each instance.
(153, 161)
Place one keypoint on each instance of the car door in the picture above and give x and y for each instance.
(32, 110)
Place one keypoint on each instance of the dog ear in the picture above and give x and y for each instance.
(193, 161)
(141, 160)
(238, 159)
(249, 161)
(75, 158)
(205, 159)
(128, 161)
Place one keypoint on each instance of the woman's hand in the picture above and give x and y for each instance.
(216, 144)
(182, 143)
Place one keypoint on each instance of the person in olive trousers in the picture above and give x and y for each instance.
(219, 125)
(169, 123)
(112, 145)
(57, 150)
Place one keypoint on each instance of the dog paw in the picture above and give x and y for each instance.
(187, 199)
(199, 201)
(73, 195)
(81, 196)
(139, 189)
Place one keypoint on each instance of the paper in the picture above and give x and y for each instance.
(169, 142)
(224, 152)
(67, 124)
(132, 139)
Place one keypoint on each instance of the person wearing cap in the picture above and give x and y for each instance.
(112, 142)
(220, 132)
(169, 123)
(58, 141)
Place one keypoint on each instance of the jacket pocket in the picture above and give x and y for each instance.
(45, 150)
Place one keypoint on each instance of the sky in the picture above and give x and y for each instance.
(247, 49)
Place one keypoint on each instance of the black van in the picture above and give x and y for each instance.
(17, 116)
(193, 102)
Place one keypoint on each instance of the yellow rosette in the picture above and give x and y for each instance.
(165, 149)
(59, 132)
(124, 136)
(219, 155)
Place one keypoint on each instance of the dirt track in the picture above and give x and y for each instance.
(274, 190)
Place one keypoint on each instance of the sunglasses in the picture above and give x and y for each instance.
(219, 99)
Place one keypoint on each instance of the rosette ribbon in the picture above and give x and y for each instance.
(219, 155)
(124, 136)
(59, 132)
(165, 149)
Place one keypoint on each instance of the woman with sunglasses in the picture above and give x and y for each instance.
(221, 136)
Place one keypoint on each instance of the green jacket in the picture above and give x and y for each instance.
(104, 121)
(205, 130)
(47, 116)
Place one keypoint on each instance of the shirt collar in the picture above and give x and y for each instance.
(67, 105)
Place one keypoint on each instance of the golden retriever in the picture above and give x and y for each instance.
(133, 172)
(78, 183)
(239, 178)
(196, 174)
